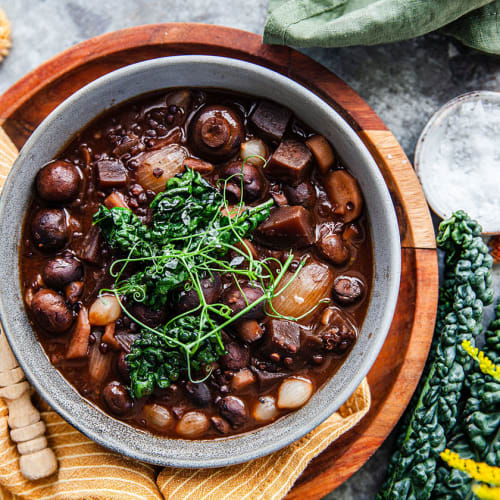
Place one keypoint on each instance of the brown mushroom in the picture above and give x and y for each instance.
(189, 299)
(49, 229)
(147, 315)
(199, 394)
(220, 424)
(348, 289)
(322, 152)
(238, 298)
(333, 247)
(60, 271)
(253, 181)
(339, 335)
(117, 399)
(58, 181)
(236, 357)
(343, 190)
(51, 312)
(216, 132)
(234, 410)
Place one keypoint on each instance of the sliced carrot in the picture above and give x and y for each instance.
(109, 337)
(80, 341)
(116, 199)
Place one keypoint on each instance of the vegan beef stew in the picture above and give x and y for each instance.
(196, 263)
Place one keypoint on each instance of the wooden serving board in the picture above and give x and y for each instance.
(395, 374)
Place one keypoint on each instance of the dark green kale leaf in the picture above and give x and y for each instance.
(190, 231)
(156, 362)
(123, 230)
(477, 433)
(185, 208)
(187, 218)
(154, 285)
(433, 412)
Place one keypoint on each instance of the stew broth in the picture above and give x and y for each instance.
(123, 159)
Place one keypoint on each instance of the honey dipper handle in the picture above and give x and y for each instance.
(26, 426)
(7, 359)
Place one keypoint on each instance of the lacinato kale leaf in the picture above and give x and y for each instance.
(477, 433)
(433, 412)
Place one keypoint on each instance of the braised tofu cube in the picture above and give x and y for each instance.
(282, 337)
(271, 119)
(288, 227)
(290, 162)
(111, 173)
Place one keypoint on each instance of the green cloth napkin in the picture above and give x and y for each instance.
(339, 23)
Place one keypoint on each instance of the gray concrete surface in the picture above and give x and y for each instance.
(404, 82)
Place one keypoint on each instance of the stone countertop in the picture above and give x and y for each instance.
(403, 82)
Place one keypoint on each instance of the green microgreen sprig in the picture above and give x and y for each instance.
(190, 341)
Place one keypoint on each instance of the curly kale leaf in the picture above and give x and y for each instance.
(156, 362)
(433, 412)
(187, 218)
(183, 243)
(153, 285)
(124, 231)
(185, 208)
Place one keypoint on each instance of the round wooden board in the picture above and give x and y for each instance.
(395, 374)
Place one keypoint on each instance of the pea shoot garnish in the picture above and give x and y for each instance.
(193, 229)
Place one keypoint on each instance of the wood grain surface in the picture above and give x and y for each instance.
(394, 376)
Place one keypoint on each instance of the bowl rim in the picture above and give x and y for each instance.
(420, 148)
(236, 455)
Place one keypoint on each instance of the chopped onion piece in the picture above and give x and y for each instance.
(294, 392)
(193, 424)
(99, 364)
(79, 343)
(265, 409)
(159, 166)
(104, 310)
(313, 284)
(253, 149)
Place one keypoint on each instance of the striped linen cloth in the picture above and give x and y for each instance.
(88, 471)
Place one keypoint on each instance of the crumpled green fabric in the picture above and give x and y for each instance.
(340, 23)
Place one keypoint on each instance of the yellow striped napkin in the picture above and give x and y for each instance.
(88, 471)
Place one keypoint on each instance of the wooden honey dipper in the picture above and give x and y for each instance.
(27, 429)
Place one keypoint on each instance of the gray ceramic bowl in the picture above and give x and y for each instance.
(195, 71)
